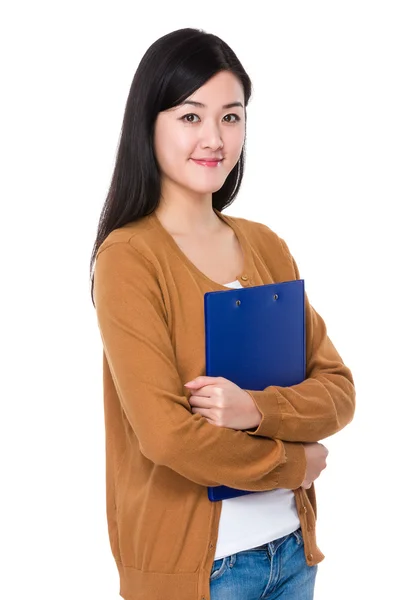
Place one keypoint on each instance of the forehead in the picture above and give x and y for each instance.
(221, 90)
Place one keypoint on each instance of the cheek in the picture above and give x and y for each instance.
(183, 142)
(233, 144)
(173, 146)
(237, 139)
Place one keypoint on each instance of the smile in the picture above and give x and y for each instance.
(207, 163)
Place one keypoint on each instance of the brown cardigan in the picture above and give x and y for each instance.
(159, 455)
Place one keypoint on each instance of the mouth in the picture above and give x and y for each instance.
(207, 162)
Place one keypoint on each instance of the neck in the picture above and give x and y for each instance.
(183, 212)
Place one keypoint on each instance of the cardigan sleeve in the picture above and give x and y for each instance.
(319, 406)
(136, 340)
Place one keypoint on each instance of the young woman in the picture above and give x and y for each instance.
(162, 243)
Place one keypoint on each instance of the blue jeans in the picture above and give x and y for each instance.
(276, 570)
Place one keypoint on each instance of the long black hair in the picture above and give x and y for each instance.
(172, 69)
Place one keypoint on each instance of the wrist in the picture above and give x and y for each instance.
(256, 416)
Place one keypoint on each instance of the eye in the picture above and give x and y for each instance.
(237, 118)
(184, 118)
(191, 118)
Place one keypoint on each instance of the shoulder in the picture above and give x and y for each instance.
(137, 238)
(126, 271)
(126, 259)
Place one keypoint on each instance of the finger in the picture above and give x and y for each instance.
(203, 380)
(200, 399)
(204, 412)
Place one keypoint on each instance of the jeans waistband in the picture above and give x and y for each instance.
(265, 546)
(262, 547)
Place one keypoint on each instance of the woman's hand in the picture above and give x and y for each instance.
(316, 455)
(223, 403)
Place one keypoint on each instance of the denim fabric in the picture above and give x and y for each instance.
(276, 570)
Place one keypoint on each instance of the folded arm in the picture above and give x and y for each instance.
(134, 331)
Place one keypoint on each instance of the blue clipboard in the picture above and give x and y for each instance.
(255, 337)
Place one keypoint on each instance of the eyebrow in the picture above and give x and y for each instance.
(201, 105)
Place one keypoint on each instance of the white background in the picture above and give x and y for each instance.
(329, 167)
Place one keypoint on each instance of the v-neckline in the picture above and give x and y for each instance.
(246, 275)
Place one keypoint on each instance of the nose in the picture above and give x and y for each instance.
(211, 135)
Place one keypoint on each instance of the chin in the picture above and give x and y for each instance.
(206, 188)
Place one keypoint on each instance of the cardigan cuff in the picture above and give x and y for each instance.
(267, 403)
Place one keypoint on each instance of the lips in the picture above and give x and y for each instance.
(207, 162)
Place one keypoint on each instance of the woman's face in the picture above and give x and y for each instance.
(214, 130)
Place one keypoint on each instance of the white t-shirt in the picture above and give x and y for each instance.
(255, 519)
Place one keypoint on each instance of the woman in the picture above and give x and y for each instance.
(162, 243)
